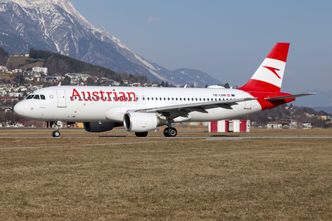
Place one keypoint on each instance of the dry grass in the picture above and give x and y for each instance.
(86, 177)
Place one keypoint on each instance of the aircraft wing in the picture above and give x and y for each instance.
(201, 107)
(288, 96)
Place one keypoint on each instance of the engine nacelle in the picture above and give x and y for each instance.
(140, 122)
(99, 126)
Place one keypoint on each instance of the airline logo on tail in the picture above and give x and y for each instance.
(273, 70)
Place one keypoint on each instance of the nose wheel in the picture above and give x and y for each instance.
(170, 132)
(56, 134)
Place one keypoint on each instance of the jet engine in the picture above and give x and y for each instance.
(99, 126)
(140, 122)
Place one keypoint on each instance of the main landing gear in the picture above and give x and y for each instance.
(170, 132)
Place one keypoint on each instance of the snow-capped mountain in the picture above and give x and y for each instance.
(56, 25)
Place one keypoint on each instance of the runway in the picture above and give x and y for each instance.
(84, 175)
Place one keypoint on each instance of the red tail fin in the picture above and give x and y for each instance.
(270, 73)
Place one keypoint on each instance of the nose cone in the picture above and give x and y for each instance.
(20, 109)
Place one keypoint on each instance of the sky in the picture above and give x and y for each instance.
(227, 39)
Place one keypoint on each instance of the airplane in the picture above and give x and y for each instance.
(141, 110)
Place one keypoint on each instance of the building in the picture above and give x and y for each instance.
(306, 125)
(274, 125)
(40, 70)
(3, 69)
(52, 79)
(227, 126)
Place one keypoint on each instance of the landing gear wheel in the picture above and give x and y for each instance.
(166, 132)
(141, 134)
(56, 134)
(170, 132)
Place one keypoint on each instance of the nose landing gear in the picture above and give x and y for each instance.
(56, 133)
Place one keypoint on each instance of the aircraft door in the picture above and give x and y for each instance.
(61, 97)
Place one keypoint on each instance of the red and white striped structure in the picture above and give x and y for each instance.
(227, 126)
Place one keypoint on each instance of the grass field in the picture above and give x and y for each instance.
(276, 175)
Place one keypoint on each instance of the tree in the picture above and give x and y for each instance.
(66, 81)
(19, 79)
(90, 81)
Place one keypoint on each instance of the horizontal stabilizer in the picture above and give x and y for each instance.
(293, 96)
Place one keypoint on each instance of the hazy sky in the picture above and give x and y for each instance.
(227, 39)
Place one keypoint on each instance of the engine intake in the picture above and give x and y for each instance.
(140, 122)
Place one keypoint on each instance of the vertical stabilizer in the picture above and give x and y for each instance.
(270, 73)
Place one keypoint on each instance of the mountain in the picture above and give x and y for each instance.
(58, 64)
(55, 25)
(192, 77)
(327, 109)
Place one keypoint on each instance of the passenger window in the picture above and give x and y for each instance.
(42, 97)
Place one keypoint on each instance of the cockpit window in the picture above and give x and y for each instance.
(36, 97)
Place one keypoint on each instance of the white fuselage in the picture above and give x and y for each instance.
(89, 103)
